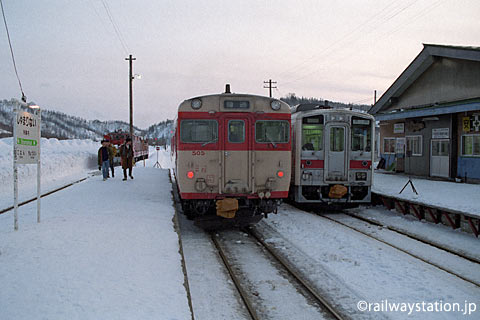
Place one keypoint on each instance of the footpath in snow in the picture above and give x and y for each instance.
(104, 250)
(451, 195)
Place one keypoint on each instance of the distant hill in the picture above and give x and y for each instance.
(62, 126)
(293, 100)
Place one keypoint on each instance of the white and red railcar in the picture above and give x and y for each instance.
(140, 146)
(332, 155)
(232, 156)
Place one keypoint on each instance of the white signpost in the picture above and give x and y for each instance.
(26, 150)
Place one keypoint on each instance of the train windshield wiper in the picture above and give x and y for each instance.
(208, 142)
(271, 141)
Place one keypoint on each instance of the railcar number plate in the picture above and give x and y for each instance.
(198, 153)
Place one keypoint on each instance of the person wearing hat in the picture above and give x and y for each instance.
(104, 155)
(126, 157)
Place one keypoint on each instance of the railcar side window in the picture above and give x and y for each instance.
(272, 131)
(361, 134)
(236, 131)
(198, 131)
(337, 139)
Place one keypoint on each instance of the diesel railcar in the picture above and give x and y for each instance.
(332, 156)
(232, 156)
(140, 146)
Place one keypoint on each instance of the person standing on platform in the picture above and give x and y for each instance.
(104, 155)
(113, 153)
(126, 155)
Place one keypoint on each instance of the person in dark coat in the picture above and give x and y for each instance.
(104, 155)
(113, 151)
(126, 156)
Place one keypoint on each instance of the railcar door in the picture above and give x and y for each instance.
(336, 152)
(236, 154)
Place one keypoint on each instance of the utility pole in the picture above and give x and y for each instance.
(269, 82)
(130, 77)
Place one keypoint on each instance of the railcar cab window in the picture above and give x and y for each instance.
(236, 131)
(361, 134)
(312, 133)
(230, 104)
(272, 131)
(337, 139)
(198, 131)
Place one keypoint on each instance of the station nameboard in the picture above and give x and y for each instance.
(26, 138)
(441, 133)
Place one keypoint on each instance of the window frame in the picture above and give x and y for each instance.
(284, 121)
(200, 142)
(389, 138)
(420, 145)
(228, 131)
(462, 154)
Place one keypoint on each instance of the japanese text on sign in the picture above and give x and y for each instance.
(27, 137)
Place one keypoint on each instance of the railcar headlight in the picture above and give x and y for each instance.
(196, 104)
(275, 104)
(361, 176)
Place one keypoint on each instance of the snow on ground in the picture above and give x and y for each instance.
(213, 293)
(457, 196)
(62, 161)
(104, 250)
(376, 271)
(444, 236)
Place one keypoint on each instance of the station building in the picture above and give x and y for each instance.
(430, 116)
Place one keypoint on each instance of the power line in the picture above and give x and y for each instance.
(397, 11)
(115, 27)
(24, 99)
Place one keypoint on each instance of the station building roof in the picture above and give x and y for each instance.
(382, 109)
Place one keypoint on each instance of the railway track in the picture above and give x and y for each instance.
(251, 299)
(460, 266)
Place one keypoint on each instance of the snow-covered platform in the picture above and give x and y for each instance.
(104, 250)
(454, 204)
(450, 195)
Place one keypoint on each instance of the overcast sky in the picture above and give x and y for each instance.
(70, 58)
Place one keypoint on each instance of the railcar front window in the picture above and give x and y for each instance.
(236, 131)
(198, 131)
(312, 137)
(361, 134)
(337, 139)
(272, 131)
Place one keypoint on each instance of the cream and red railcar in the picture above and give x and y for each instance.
(232, 156)
(332, 155)
(140, 146)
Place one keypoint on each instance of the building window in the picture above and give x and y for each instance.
(471, 145)
(414, 145)
(389, 145)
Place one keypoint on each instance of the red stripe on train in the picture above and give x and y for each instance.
(213, 196)
(312, 164)
(360, 164)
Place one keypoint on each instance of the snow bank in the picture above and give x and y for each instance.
(62, 161)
